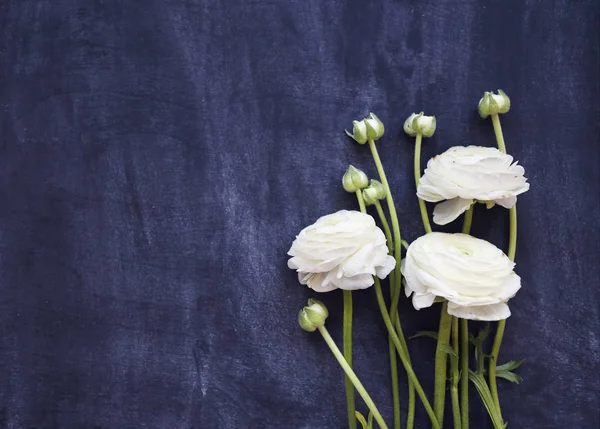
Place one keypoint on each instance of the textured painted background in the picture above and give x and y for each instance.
(157, 158)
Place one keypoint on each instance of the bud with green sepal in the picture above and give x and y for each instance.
(374, 192)
(359, 132)
(493, 104)
(418, 123)
(375, 128)
(354, 179)
(313, 316)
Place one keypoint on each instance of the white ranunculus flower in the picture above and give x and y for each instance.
(341, 250)
(474, 276)
(462, 175)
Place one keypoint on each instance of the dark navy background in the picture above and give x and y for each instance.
(157, 159)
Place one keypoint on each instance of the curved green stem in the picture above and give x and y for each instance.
(403, 355)
(386, 226)
(392, 349)
(350, 375)
(350, 401)
(397, 273)
(464, 372)
(441, 361)
(422, 205)
(512, 248)
(455, 375)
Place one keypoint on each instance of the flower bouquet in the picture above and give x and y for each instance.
(470, 278)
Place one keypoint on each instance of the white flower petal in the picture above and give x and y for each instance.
(474, 276)
(449, 210)
(384, 270)
(343, 249)
(507, 203)
(492, 312)
(422, 300)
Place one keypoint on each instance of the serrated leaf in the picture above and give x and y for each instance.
(361, 419)
(430, 334)
(510, 376)
(510, 365)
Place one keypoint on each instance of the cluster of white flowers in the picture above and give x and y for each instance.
(346, 249)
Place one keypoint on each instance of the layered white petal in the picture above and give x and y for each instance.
(446, 212)
(471, 173)
(342, 250)
(474, 276)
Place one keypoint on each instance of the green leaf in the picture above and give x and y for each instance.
(510, 376)
(486, 396)
(484, 332)
(448, 349)
(510, 365)
(361, 419)
(430, 334)
(370, 421)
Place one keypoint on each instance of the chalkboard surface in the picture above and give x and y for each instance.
(157, 159)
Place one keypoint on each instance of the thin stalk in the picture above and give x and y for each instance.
(512, 248)
(464, 372)
(441, 360)
(361, 201)
(455, 376)
(422, 205)
(464, 343)
(395, 289)
(466, 229)
(403, 355)
(350, 401)
(392, 349)
(352, 377)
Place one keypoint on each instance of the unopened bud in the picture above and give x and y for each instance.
(313, 316)
(493, 104)
(374, 192)
(420, 124)
(354, 179)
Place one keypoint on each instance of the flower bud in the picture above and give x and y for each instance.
(492, 104)
(375, 191)
(354, 179)
(359, 132)
(419, 124)
(313, 315)
(375, 128)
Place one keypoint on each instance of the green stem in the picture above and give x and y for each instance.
(464, 372)
(512, 248)
(386, 227)
(397, 273)
(422, 206)
(403, 355)
(441, 356)
(392, 349)
(498, 132)
(466, 229)
(455, 376)
(350, 375)
(361, 201)
(350, 402)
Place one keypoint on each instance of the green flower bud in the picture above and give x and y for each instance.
(354, 179)
(420, 124)
(374, 192)
(493, 104)
(359, 132)
(313, 315)
(375, 128)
